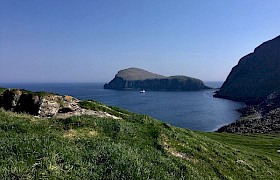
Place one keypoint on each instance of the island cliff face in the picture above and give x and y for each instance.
(134, 78)
(256, 76)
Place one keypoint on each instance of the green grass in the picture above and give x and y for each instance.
(2, 90)
(97, 106)
(40, 93)
(134, 147)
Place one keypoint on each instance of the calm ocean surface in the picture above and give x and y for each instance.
(194, 110)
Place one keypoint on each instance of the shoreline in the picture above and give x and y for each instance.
(168, 117)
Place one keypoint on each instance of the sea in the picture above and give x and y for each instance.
(195, 110)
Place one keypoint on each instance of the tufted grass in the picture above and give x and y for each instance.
(135, 147)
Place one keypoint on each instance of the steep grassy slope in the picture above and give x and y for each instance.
(134, 147)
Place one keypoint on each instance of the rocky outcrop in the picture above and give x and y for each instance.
(10, 99)
(52, 105)
(261, 118)
(256, 76)
(20, 101)
(29, 103)
(39, 104)
(45, 104)
(134, 78)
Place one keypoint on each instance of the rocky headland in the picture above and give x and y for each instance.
(256, 81)
(256, 75)
(260, 118)
(135, 78)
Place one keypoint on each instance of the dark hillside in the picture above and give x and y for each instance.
(256, 76)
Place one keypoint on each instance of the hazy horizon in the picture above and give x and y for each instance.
(73, 82)
(90, 40)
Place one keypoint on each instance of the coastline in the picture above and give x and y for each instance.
(194, 110)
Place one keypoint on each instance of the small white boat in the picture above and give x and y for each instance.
(143, 91)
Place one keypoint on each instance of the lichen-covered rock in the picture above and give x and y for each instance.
(70, 103)
(45, 104)
(49, 106)
(20, 101)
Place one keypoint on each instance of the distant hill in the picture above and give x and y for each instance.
(133, 74)
(256, 76)
(135, 78)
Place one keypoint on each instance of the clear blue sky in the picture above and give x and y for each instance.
(90, 40)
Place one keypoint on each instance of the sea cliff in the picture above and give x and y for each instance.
(134, 78)
(255, 76)
(256, 81)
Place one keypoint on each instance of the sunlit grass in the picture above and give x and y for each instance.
(136, 147)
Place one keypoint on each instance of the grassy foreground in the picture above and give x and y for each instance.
(134, 147)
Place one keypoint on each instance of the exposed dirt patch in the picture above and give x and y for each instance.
(80, 133)
(174, 152)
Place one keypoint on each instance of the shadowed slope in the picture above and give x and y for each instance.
(256, 76)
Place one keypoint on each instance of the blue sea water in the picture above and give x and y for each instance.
(193, 110)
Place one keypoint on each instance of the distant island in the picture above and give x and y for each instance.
(135, 78)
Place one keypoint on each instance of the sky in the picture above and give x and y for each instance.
(91, 40)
